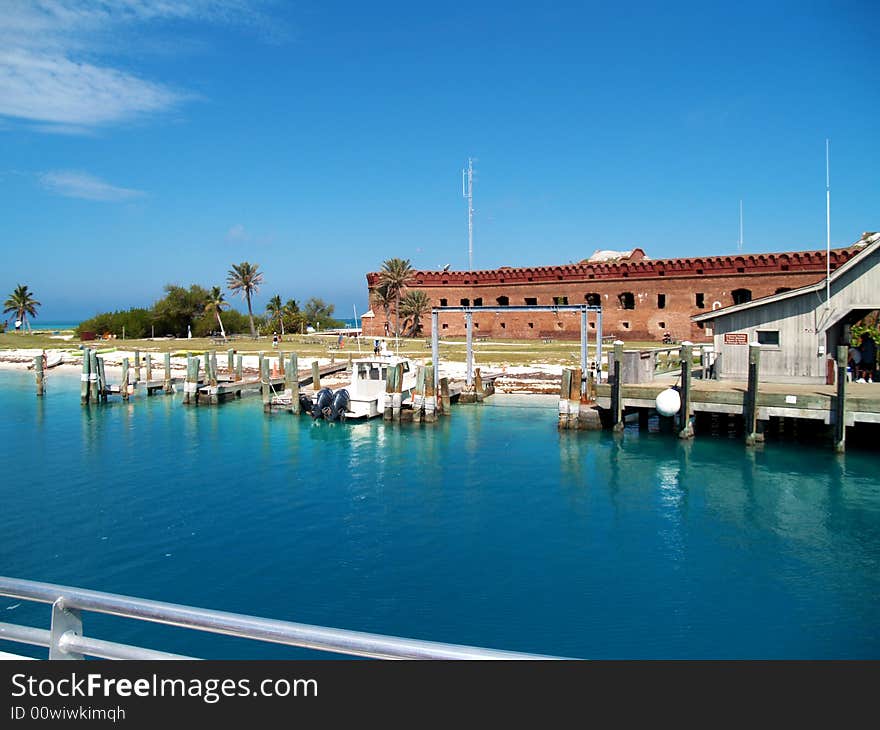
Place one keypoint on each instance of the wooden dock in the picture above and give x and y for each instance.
(228, 389)
(779, 400)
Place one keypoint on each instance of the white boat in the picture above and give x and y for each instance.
(369, 375)
(365, 393)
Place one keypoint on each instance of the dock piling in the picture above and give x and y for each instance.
(167, 387)
(230, 363)
(840, 403)
(38, 373)
(84, 379)
(148, 362)
(316, 376)
(564, 389)
(265, 384)
(616, 394)
(137, 365)
(750, 403)
(292, 376)
(93, 376)
(123, 386)
(685, 427)
(445, 399)
(430, 400)
(102, 380)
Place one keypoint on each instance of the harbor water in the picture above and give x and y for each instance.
(491, 528)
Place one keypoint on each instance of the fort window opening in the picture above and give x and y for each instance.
(592, 325)
(478, 302)
(560, 300)
(741, 296)
(476, 325)
(627, 300)
(531, 301)
(531, 325)
(661, 301)
(503, 326)
(445, 326)
(443, 302)
(740, 270)
(782, 289)
(661, 325)
(700, 300)
(503, 301)
(465, 302)
(593, 299)
(625, 325)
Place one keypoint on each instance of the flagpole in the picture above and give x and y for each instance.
(827, 223)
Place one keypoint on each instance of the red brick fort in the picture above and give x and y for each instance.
(641, 297)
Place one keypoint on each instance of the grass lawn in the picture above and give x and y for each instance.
(494, 352)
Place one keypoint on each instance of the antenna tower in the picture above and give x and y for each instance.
(467, 192)
(739, 245)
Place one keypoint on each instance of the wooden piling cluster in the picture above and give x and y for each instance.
(747, 413)
(95, 387)
(576, 410)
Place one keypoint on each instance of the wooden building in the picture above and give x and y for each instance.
(798, 330)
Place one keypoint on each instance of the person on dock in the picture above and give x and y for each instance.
(376, 346)
(274, 339)
(868, 349)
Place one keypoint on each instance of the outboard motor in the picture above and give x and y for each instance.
(305, 404)
(323, 401)
(339, 406)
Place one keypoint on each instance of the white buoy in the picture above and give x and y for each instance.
(668, 402)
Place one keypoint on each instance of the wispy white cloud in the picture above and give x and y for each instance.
(237, 233)
(56, 57)
(76, 184)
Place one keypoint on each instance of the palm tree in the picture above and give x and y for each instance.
(216, 303)
(414, 305)
(22, 303)
(291, 310)
(394, 275)
(276, 310)
(245, 279)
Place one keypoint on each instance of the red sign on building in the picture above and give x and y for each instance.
(736, 338)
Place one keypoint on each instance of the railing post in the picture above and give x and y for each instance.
(64, 620)
(564, 390)
(584, 338)
(840, 404)
(750, 404)
(685, 429)
(435, 347)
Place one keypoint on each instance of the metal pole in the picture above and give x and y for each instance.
(435, 348)
(584, 364)
(827, 224)
(599, 346)
(469, 328)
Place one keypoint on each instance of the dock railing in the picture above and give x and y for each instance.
(65, 638)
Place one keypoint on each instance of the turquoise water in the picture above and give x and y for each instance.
(491, 528)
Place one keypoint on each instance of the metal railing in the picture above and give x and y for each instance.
(66, 640)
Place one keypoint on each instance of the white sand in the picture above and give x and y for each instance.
(536, 378)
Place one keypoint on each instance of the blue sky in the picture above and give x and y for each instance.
(145, 142)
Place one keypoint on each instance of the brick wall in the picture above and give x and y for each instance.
(640, 299)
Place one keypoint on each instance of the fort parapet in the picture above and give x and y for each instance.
(641, 298)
